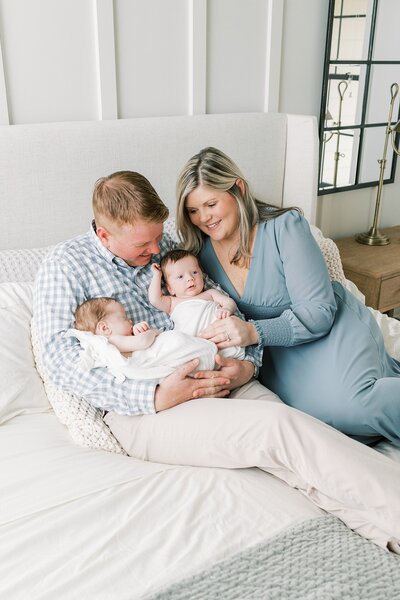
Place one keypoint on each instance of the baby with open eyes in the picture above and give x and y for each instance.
(191, 307)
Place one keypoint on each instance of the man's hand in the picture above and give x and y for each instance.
(178, 387)
(237, 371)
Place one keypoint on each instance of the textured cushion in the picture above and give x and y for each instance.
(21, 389)
(331, 255)
(85, 423)
(21, 265)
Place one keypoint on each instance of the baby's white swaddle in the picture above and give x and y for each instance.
(193, 315)
(170, 350)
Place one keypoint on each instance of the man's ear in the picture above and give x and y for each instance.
(239, 182)
(103, 235)
(103, 328)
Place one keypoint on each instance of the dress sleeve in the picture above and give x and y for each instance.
(312, 302)
(58, 291)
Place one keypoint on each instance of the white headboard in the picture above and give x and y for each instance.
(47, 171)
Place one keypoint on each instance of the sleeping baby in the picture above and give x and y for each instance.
(135, 351)
(107, 317)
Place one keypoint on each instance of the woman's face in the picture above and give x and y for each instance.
(214, 212)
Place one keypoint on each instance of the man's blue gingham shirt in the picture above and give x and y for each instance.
(73, 272)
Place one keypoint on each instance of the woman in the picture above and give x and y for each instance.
(323, 351)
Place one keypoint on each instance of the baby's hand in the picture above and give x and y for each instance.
(147, 338)
(156, 269)
(140, 327)
(223, 313)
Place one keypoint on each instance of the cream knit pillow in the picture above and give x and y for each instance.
(84, 422)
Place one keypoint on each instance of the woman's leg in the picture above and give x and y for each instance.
(385, 394)
(345, 379)
(338, 474)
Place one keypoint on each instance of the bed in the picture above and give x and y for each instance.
(79, 518)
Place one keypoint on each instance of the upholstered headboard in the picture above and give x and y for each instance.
(47, 171)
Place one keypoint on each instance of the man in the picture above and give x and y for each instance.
(114, 259)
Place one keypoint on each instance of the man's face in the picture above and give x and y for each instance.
(135, 244)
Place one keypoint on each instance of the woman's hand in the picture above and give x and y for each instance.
(237, 371)
(231, 331)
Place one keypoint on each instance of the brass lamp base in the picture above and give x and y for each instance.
(373, 237)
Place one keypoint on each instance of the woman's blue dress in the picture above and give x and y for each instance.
(323, 351)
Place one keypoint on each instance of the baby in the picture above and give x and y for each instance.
(107, 317)
(191, 307)
(184, 279)
(108, 339)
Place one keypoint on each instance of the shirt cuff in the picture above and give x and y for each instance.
(274, 332)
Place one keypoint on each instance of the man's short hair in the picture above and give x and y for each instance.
(125, 197)
(90, 313)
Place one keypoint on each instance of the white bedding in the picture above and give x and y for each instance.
(85, 524)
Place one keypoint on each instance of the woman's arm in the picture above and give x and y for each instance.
(312, 305)
(312, 308)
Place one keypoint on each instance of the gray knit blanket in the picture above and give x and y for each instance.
(320, 559)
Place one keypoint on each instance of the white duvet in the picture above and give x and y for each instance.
(83, 524)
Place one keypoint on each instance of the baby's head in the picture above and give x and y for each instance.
(104, 316)
(182, 274)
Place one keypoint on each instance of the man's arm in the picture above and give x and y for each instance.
(58, 291)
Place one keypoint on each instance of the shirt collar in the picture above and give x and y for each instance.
(101, 249)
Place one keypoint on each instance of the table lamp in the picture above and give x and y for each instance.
(374, 237)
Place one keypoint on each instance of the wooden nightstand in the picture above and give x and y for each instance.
(374, 269)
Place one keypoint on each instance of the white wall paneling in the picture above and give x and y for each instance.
(4, 119)
(236, 58)
(197, 24)
(108, 59)
(105, 47)
(49, 59)
(152, 57)
(273, 40)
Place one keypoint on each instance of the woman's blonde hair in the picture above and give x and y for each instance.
(215, 169)
(124, 197)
